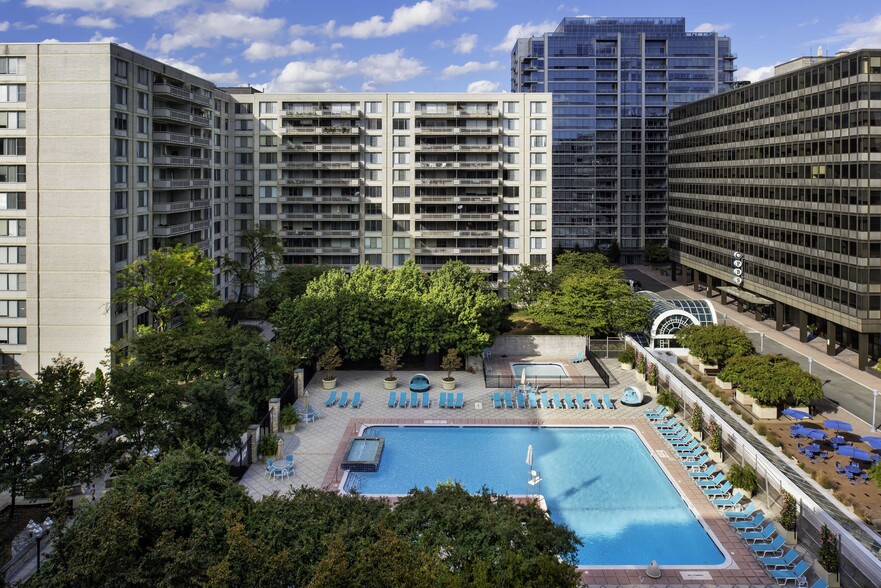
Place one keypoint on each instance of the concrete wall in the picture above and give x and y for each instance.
(566, 346)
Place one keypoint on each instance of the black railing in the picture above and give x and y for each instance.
(239, 459)
(500, 381)
(598, 366)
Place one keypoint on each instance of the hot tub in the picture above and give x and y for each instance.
(363, 454)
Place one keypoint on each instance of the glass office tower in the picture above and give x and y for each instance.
(613, 81)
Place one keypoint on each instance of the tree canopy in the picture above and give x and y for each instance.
(247, 270)
(714, 344)
(772, 380)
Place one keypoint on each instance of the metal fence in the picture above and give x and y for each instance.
(240, 459)
(605, 347)
(499, 381)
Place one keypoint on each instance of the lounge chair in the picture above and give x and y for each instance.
(545, 403)
(793, 575)
(607, 401)
(787, 560)
(573, 402)
(509, 400)
(732, 503)
(344, 400)
(443, 399)
(579, 399)
(820, 583)
(578, 358)
(426, 400)
(684, 443)
(753, 524)
(594, 401)
(761, 536)
(677, 431)
(533, 402)
(497, 399)
(741, 514)
(723, 490)
(655, 412)
(557, 402)
(775, 546)
(414, 399)
(392, 399)
(356, 400)
(703, 473)
(715, 482)
(690, 465)
(688, 448)
(402, 400)
(331, 400)
(692, 455)
(665, 424)
(419, 383)
(460, 400)
(521, 402)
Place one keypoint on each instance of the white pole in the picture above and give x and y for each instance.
(761, 342)
(810, 365)
(874, 404)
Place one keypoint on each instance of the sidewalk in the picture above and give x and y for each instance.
(848, 389)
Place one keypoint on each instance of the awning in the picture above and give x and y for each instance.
(745, 296)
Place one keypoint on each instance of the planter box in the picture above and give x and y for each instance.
(328, 384)
(290, 428)
(708, 370)
(390, 384)
(640, 377)
(723, 385)
(651, 389)
(448, 384)
(831, 579)
(744, 399)
(788, 536)
(626, 366)
(692, 359)
(716, 456)
(764, 412)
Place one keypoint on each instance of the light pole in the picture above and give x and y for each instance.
(761, 342)
(724, 318)
(810, 365)
(874, 404)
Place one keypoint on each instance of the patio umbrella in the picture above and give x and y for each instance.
(851, 451)
(874, 442)
(796, 414)
(837, 425)
(529, 456)
(815, 434)
(523, 378)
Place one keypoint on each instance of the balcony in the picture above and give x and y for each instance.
(180, 116)
(321, 182)
(169, 207)
(322, 113)
(181, 229)
(180, 139)
(180, 93)
(176, 161)
(180, 184)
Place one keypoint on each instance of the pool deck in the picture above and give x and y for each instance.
(320, 446)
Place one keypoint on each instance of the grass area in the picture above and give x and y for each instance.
(524, 324)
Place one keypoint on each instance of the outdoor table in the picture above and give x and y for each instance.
(813, 448)
(838, 440)
(854, 469)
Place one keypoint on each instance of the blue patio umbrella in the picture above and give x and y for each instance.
(874, 442)
(851, 451)
(796, 414)
(815, 434)
(837, 425)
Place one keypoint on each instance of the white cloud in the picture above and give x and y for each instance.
(465, 43)
(262, 50)
(56, 18)
(49, 41)
(336, 46)
(860, 35)
(328, 29)
(204, 30)
(391, 67)
(708, 27)
(470, 67)
(228, 78)
(90, 21)
(482, 87)
(141, 8)
(324, 75)
(99, 38)
(407, 18)
(249, 5)
(754, 74)
(4, 25)
(24, 26)
(519, 31)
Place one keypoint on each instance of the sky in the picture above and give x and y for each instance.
(411, 45)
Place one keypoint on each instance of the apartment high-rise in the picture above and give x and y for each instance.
(106, 154)
(786, 172)
(613, 82)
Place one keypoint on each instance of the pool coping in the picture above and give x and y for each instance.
(742, 567)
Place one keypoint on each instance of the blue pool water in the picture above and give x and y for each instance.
(601, 482)
(539, 370)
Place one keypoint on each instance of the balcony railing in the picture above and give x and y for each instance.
(181, 229)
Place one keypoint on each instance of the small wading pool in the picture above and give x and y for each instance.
(364, 454)
(539, 370)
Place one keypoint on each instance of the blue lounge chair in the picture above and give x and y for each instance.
(753, 524)
(697, 463)
(579, 358)
(794, 575)
(545, 403)
(820, 583)
(402, 400)
(557, 402)
(460, 400)
(666, 425)
(344, 400)
(732, 503)
(419, 383)
(579, 398)
(414, 399)
(761, 536)
(692, 455)
(741, 514)
(573, 402)
(607, 401)
(497, 399)
(723, 490)
(594, 401)
(688, 448)
(392, 399)
(687, 443)
(774, 546)
(655, 413)
(533, 402)
(677, 431)
(331, 400)
(715, 482)
(703, 473)
(787, 560)
(426, 400)
(509, 400)
(443, 399)
(356, 400)
(521, 402)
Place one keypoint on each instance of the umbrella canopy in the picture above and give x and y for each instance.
(851, 451)
(837, 425)
(523, 377)
(815, 434)
(874, 442)
(796, 414)
(529, 455)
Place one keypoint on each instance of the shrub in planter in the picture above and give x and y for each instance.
(697, 419)
(875, 473)
(714, 436)
(652, 375)
(450, 362)
(627, 357)
(390, 360)
(789, 512)
(714, 345)
(744, 477)
(329, 362)
(668, 399)
(268, 445)
(828, 554)
(640, 364)
(289, 417)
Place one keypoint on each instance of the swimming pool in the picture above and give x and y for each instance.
(601, 482)
(539, 370)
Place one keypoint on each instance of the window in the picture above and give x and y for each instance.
(13, 335)
(401, 242)
(13, 308)
(373, 107)
(120, 201)
(143, 247)
(402, 208)
(10, 361)
(13, 255)
(12, 65)
(401, 158)
(267, 108)
(538, 225)
(511, 124)
(265, 141)
(13, 93)
(374, 124)
(120, 174)
(268, 191)
(399, 259)
(120, 121)
(12, 120)
(538, 124)
(373, 225)
(538, 158)
(120, 96)
(143, 150)
(537, 242)
(401, 192)
(247, 142)
(143, 223)
(372, 141)
(401, 175)
(244, 158)
(373, 158)
(511, 141)
(401, 107)
(538, 107)
(120, 253)
(268, 175)
(538, 175)
(143, 125)
(244, 124)
(538, 209)
(12, 200)
(401, 124)
(143, 198)
(537, 193)
(12, 173)
(143, 174)
(511, 107)
(143, 101)
(12, 147)
(538, 141)
(401, 141)
(268, 124)
(511, 158)
(372, 243)
(120, 68)
(244, 108)
(511, 242)
(268, 209)
(401, 225)
(12, 282)
(539, 259)
(120, 148)
(120, 227)
(143, 76)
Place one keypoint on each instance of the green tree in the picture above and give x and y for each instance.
(247, 270)
(657, 253)
(213, 416)
(17, 431)
(571, 263)
(593, 303)
(714, 344)
(527, 283)
(772, 379)
(290, 283)
(257, 372)
(171, 283)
